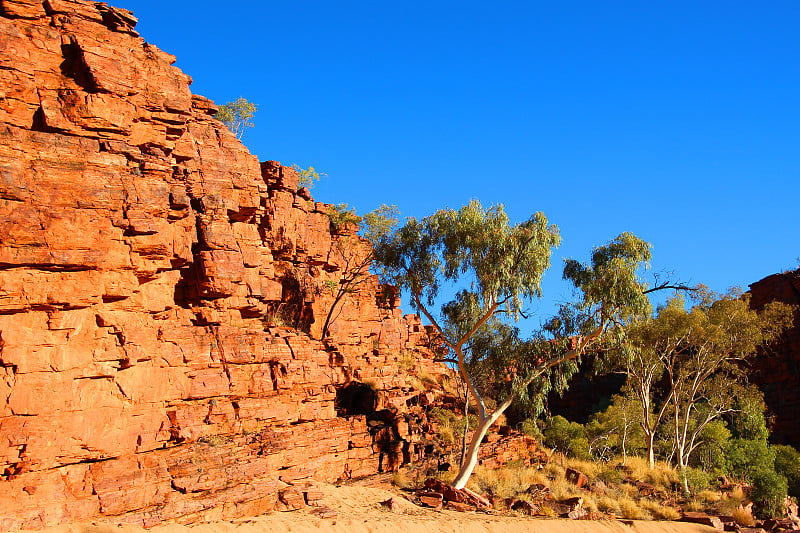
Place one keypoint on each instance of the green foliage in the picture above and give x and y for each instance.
(787, 463)
(618, 428)
(530, 428)
(308, 176)
(342, 215)
(768, 494)
(699, 351)
(609, 281)
(748, 420)
(697, 479)
(747, 458)
(331, 285)
(237, 115)
(380, 223)
(507, 262)
(710, 454)
(566, 437)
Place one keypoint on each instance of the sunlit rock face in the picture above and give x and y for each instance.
(162, 295)
(777, 369)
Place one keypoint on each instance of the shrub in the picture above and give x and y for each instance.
(566, 437)
(746, 457)
(768, 494)
(530, 428)
(342, 215)
(697, 479)
(787, 462)
(307, 176)
(710, 455)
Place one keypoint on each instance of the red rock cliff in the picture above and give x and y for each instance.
(160, 296)
(777, 370)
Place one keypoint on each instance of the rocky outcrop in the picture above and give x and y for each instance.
(776, 370)
(162, 295)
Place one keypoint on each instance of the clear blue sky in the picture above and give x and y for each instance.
(678, 121)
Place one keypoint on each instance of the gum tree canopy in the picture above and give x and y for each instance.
(497, 268)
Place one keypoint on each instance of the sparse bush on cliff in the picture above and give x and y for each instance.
(307, 176)
(237, 115)
(354, 258)
(341, 216)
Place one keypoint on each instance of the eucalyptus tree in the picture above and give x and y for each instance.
(497, 268)
(237, 115)
(699, 354)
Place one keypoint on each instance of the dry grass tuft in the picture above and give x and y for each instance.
(401, 479)
(562, 489)
(590, 468)
(507, 482)
(662, 476)
(659, 511)
(709, 496)
(609, 504)
(743, 517)
(630, 508)
(695, 505)
(731, 501)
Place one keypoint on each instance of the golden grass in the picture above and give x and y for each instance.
(695, 505)
(658, 510)
(662, 476)
(630, 508)
(562, 489)
(627, 490)
(590, 468)
(609, 504)
(743, 517)
(732, 501)
(505, 482)
(709, 496)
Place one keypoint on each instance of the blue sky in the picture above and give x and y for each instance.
(678, 121)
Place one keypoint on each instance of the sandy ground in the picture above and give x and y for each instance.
(359, 511)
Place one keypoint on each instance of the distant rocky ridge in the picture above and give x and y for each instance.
(777, 369)
(162, 295)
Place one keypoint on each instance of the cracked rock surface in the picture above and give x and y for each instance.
(162, 298)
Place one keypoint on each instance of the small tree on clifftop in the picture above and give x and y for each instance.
(499, 267)
(354, 258)
(237, 115)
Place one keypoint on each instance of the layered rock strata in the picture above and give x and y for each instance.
(777, 368)
(162, 295)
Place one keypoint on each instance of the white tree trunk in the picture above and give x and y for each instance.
(471, 459)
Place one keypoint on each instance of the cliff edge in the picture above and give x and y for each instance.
(162, 294)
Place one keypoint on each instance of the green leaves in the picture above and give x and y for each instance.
(610, 284)
(237, 115)
(502, 263)
(379, 224)
(307, 176)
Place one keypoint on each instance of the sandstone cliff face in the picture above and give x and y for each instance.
(777, 369)
(161, 293)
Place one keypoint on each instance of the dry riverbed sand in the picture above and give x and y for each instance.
(359, 511)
